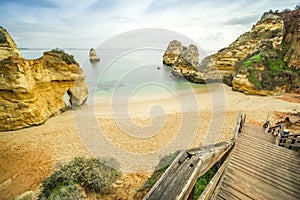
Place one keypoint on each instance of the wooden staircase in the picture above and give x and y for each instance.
(258, 169)
(254, 168)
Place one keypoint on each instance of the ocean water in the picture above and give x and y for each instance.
(125, 72)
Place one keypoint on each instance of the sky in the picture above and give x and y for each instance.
(213, 24)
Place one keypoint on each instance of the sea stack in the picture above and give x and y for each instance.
(93, 56)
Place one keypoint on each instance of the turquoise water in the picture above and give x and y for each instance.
(125, 72)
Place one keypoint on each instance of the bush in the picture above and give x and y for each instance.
(69, 59)
(204, 180)
(2, 37)
(66, 192)
(93, 175)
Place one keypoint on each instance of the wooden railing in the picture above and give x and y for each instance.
(178, 182)
(289, 141)
(282, 139)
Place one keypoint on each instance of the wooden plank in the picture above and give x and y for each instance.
(179, 179)
(275, 152)
(210, 188)
(289, 161)
(256, 189)
(237, 127)
(271, 178)
(266, 164)
(224, 194)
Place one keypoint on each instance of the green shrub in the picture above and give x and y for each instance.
(69, 59)
(66, 192)
(250, 61)
(2, 38)
(203, 180)
(93, 175)
(254, 80)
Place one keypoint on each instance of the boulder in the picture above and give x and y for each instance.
(31, 91)
(7, 45)
(93, 56)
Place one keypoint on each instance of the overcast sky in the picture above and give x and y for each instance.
(213, 24)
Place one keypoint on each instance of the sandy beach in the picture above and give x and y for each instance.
(138, 132)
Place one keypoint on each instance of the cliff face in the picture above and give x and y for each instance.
(31, 91)
(263, 61)
(273, 69)
(7, 45)
(291, 40)
(268, 32)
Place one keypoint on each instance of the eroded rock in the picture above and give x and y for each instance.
(172, 52)
(93, 56)
(7, 45)
(31, 91)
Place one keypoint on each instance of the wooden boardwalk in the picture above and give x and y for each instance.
(258, 169)
(254, 168)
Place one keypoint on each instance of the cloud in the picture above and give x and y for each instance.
(242, 20)
(77, 23)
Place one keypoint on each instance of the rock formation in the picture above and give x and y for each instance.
(93, 56)
(263, 61)
(7, 45)
(183, 61)
(31, 91)
(172, 53)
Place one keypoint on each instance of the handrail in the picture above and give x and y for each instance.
(282, 139)
(179, 180)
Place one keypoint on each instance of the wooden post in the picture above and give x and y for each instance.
(192, 194)
(293, 141)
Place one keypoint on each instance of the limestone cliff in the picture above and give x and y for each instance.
(273, 69)
(291, 40)
(31, 91)
(263, 61)
(7, 45)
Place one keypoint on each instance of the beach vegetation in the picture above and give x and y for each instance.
(78, 176)
(267, 70)
(2, 37)
(69, 59)
(257, 58)
(203, 180)
(253, 78)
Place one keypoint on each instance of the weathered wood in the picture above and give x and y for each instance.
(210, 188)
(258, 169)
(238, 126)
(179, 179)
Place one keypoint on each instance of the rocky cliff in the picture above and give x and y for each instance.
(31, 91)
(263, 61)
(274, 68)
(7, 45)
